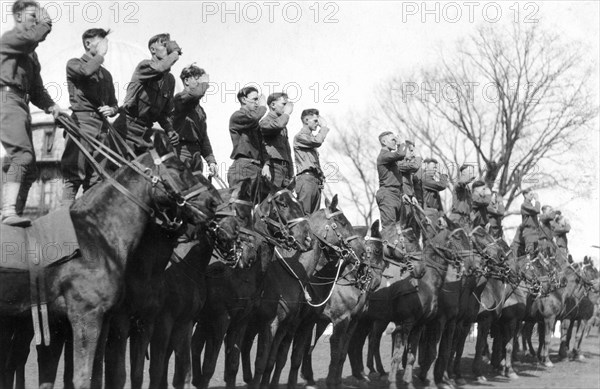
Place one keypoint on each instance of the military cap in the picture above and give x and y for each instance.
(410, 143)
(430, 160)
(526, 190)
(478, 183)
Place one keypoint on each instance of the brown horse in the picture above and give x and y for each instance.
(109, 222)
(342, 297)
(186, 285)
(283, 301)
(233, 293)
(581, 309)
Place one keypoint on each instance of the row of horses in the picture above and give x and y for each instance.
(184, 269)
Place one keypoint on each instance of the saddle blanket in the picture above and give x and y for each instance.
(49, 239)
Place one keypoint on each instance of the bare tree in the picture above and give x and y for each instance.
(354, 171)
(509, 99)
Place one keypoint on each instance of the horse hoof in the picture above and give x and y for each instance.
(480, 379)
(512, 375)
(460, 381)
(580, 357)
(548, 364)
(311, 386)
(47, 385)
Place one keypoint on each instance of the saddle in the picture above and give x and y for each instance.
(49, 240)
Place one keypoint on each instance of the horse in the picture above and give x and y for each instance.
(482, 301)
(108, 222)
(186, 285)
(282, 303)
(233, 293)
(582, 311)
(343, 296)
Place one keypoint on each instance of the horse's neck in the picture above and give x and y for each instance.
(105, 217)
(312, 258)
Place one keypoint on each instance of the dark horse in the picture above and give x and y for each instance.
(186, 285)
(343, 297)
(234, 292)
(109, 222)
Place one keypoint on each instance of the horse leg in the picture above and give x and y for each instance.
(483, 330)
(506, 334)
(344, 329)
(579, 335)
(374, 351)
(213, 346)
(19, 352)
(527, 334)
(428, 348)
(566, 326)
(159, 345)
(546, 333)
(115, 374)
(232, 351)
(411, 339)
(181, 344)
(199, 340)
(460, 337)
(568, 340)
(86, 331)
(355, 350)
(266, 335)
(49, 356)
(301, 343)
(282, 354)
(249, 336)
(272, 357)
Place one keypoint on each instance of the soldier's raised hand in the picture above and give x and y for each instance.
(322, 121)
(204, 78)
(172, 46)
(289, 108)
(43, 16)
(102, 47)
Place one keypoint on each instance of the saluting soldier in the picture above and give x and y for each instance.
(389, 194)
(408, 166)
(461, 197)
(189, 120)
(495, 212)
(433, 183)
(560, 228)
(251, 159)
(481, 196)
(20, 83)
(546, 241)
(530, 226)
(149, 97)
(275, 135)
(92, 97)
(309, 180)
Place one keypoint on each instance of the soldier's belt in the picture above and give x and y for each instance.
(16, 91)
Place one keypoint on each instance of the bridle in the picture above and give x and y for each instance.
(341, 250)
(280, 228)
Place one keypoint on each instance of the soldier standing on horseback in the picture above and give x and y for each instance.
(149, 97)
(92, 97)
(433, 183)
(495, 212)
(309, 180)
(546, 242)
(462, 198)
(481, 196)
(530, 226)
(389, 195)
(275, 135)
(189, 120)
(408, 167)
(20, 82)
(249, 154)
(560, 228)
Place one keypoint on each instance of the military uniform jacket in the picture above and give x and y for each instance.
(462, 201)
(189, 121)
(407, 168)
(387, 168)
(90, 85)
(432, 185)
(306, 154)
(275, 136)
(19, 64)
(246, 137)
(149, 95)
(560, 230)
(529, 215)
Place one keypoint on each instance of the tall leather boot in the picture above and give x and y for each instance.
(10, 191)
(22, 196)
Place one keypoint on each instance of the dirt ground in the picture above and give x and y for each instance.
(564, 374)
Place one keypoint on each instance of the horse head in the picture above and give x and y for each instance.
(399, 242)
(281, 217)
(374, 255)
(335, 235)
(487, 246)
(176, 190)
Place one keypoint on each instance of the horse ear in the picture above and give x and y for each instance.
(161, 142)
(375, 229)
(333, 205)
(292, 185)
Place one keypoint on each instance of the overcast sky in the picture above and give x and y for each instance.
(328, 55)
